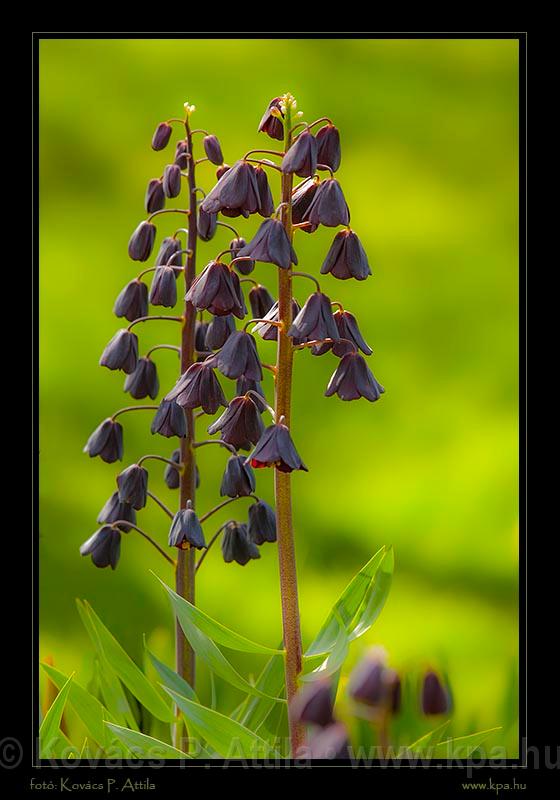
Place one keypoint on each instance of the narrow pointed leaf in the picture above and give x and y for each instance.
(143, 746)
(375, 597)
(255, 710)
(334, 660)
(170, 678)
(461, 747)
(50, 735)
(428, 740)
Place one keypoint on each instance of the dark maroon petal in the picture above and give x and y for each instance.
(161, 136)
(329, 206)
(163, 291)
(266, 201)
(143, 382)
(172, 180)
(301, 158)
(207, 224)
(348, 329)
(328, 144)
(142, 241)
(121, 352)
(213, 150)
(132, 302)
(218, 332)
(154, 199)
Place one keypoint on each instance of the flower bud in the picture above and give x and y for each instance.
(239, 356)
(218, 332)
(163, 291)
(315, 320)
(238, 479)
(121, 352)
(133, 486)
(435, 698)
(260, 300)
(114, 510)
(106, 441)
(169, 420)
(166, 253)
(172, 180)
(142, 241)
(353, 379)
(181, 155)
(172, 476)
(235, 246)
(218, 291)
(367, 682)
(271, 124)
(240, 424)
(104, 547)
(262, 523)
(313, 704)
(132, 302)
(207, 224)
(186, 530)
(143, 382)
(346, 258)
(198, 387)
(243, 267)
(301, 158)
(276, 449)
(271, 244)
(328, 146)
(154, 199)
(161, 136)
(236, 545)
(328, 207)
(222, 171)
(213, 150)
(266, 201)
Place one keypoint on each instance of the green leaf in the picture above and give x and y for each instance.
(143, 746)
(375, 596)
(255, 710)
(50, 735)
(210, 653)
(428, 740)
(129, 673)
(170, 678)
(227, 737)
(88, 708)
(345, 607)
(461, 747)
(215, 630)
(334, 660)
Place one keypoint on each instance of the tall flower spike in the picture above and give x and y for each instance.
(346, 258)
(142, 241)
(132, 301)
(238, 479)
(241, 424)
(169, 420)
(198, 387)
(276, 449)
(155, 197)
(186, 530)
(236, 545)
(353, 379)
(106, 441)
(133, 486)
(237, 190)
(328, 144)
(143, 382)
(217, 290)
(218, 332)
(104, 547)
(328, 207)
(271, 244)
(262, 523)
(301, 158)
(239, 357)
(270, 123)
(163, 291)
(315, 320)
(114, 510)
(121, 352)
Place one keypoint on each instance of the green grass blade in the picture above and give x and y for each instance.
(142, 746)
(461, 747)
(427, 740)
(50, 735)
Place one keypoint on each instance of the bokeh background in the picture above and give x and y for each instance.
(429, 169)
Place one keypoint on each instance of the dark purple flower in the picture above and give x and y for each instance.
(266, 201)
(172, 180)
(133, 486)
(240, 424)
(121, 352)
(222, 171)
(182, 154)
(315, 320)
(239, 357)
(236, 190)
(155, 197)
(271, 244)
(163, 291)
(348, 329)
(276, 449)
(313, 704)
(104, 547)
(207, 224)
(435, 698)
(161, 136)
(186, 530)
(353, 379)
(217, 290)
(236, 545)
(235, 246)
(330, 743)
(114, 510)
(198, 387)
(260, 300)
(132, 302)
(302, 196)
(272, 124)
(213, 150)
(172, 476)
(169, 420)
(328, 207)
(328, 143)
(262, 523)
(200, 328)
(106, 441)
(143, 382)
(346, 258)
(301, 158)
(238, 479)
(218, 332)
(166, 254)
(367, 683)
(270, 332)
(244, 385)
(142, 241)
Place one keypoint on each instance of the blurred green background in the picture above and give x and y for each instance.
(429, 169)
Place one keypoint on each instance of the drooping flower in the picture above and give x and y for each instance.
(238, 479)
(348, 332)
(155, 197)
(169, 420)
(276, 449)
(240, 424)
(328, 146)
(114, 510)
(239, 356)
(143, 382)
(207, 224)
(235, 246)
(260, 300)
(315, 320)
(161, 136)
(271, 245)
(262, 523)
(272, 124)
(236, 545)
(270, 332)
(121, 352)
(218, 332)
(132, 301)
(142, 241)
(172, 476)
(266, 201)
(353, 379)
(186, 530)
(198, 387)
(435, 698)
(172, 180)
(163, 291)
(367, 683)
(106, 441)
(236, 190)
(302, 197)
(133, 486)
(104, 547)
(167, 254)
(217, 290)
(213, 150)
(313, 704)
(182, 154)
(244, 385)
(301, 158)
(200, 329)
(346, 258)
(328, 207)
